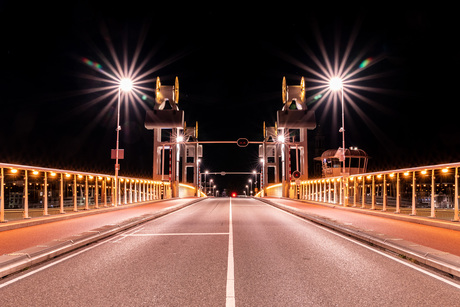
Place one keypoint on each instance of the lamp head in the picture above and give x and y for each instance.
(335, 83)
(126, 84)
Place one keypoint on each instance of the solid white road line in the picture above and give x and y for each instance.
(230, 296)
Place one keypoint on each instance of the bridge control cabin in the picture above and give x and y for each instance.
(355, 162)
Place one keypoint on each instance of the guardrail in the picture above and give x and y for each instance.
(430, 191)
(31, 191)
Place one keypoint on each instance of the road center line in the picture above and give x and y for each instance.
(230, 296)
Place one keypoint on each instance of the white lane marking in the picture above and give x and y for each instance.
(177, 234)
(129, 232)
(408, 264)
(230, 295)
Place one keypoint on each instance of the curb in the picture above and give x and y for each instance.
(20, 260)
(441, 261)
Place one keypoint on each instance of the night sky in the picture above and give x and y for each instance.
(230, 62)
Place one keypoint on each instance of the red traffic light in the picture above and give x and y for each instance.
(233, 194)
(296, 174)
(242, 142)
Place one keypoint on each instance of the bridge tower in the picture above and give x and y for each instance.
(293, 121)
(166, 115)
(190, 154)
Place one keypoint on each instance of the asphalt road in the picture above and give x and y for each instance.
(227, 251)
(439, 238)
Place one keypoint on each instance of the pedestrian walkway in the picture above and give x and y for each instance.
(21, 234)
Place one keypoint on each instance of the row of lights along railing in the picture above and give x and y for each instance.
(102, 187)
(419, 183)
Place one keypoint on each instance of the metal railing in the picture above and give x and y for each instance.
(430, 191)
(31, 191)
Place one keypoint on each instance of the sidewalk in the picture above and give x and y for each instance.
(431, 242)
(30, 242)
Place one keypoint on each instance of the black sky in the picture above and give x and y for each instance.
(230, 62)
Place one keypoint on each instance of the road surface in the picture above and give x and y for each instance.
(228, 252)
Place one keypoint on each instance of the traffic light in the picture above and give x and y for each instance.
(296, 174)
(242, 142)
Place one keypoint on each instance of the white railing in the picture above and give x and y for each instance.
(425, 191)
(30, 191)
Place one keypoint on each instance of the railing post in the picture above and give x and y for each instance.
(363, 200)
(398, 194)
(456, 218)
(2, 196)
(140, 192)
(118, 184)
(373, 193)
(74, 192)
(104, 191)
(346, 194)
(335, 191)
(86, 193)
(414, 211)
(26, 195)
(433, 212)
(61, 195)
(384, 193)
(96, 192)
(355, 190)
(45, 193)
(324, 191)
(143, 196)
(320, 191)
(341, 191)
(131, 191)
(125, 195)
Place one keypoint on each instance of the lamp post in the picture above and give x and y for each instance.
(205, 190)
(336, 84)
(125, 85)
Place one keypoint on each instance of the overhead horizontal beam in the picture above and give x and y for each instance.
(229, 173)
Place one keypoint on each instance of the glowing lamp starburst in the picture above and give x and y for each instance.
(126, 84)
(335, 83)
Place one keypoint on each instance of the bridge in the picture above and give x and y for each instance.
(385, 237)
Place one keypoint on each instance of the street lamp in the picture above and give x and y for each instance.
(250, 183)
(336, 84)
(205, 190)
(126, 85)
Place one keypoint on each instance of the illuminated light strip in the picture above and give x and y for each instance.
(230, 292)
(191, 187)
(274, 186)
